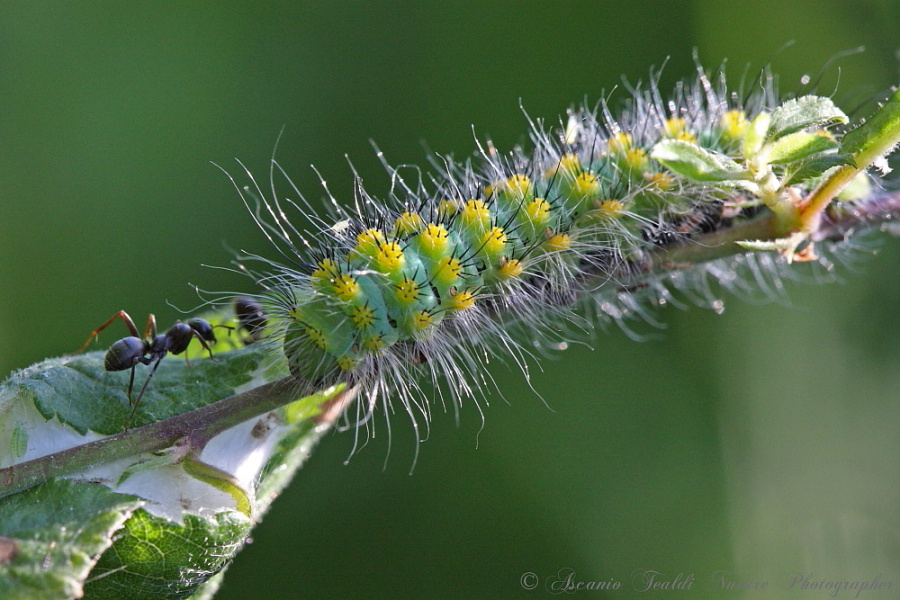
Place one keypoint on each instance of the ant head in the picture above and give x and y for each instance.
(203, 329)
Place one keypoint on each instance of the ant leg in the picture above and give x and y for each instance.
(134, 404)
(150, 327)
(206, 347)
(199, 336)
(223, 326)
(131, 382)
(93, 335)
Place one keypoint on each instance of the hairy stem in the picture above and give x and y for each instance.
(874, 211)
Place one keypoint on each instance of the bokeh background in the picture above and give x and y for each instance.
(763, 441)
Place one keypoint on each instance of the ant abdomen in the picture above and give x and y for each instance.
(123, 354)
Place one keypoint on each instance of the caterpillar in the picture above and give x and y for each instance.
(505, 254)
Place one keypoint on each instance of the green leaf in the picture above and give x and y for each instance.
(879, 134)
(155, 525)
(63, 391)
(692, 161)
(803, 112)
(812, 167)
(155, 558)
(756, 134)
(210, 587)
(56, 533)
(798, 145)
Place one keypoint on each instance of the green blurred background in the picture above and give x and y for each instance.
(763, 441)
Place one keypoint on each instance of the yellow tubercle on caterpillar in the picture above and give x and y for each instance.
(619, 143)
(433, 239)
(475, 214)
(533, 218)
(345, 286)
(368, 241)
(446, 270)
(374, 342)
(346, 363)
(603, 210)
(610, 208)
(660, 181)
(326, 269)
(635, 160)
(538, 211)
(676, 128)
(673, 126)
(406, 291)
(447, 208)
(388, 258)
(362, 316)
(509, 268)
(518, 185)
(586, 185)
(408, 223)
(568, 165)
(461, 300)
(569, 162)
(493, 241)
(734, 124)
(421, 320)
(557, 242)
(316, 336)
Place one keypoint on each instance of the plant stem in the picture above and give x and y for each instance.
(195, 428)
(820, 197)
(875, 211)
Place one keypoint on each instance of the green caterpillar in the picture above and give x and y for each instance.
(440, 276)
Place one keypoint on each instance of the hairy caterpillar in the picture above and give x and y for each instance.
(485, 256)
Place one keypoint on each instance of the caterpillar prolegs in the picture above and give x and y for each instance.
(484, 255)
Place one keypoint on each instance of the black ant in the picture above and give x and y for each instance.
(251, 318)
(152, 348)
